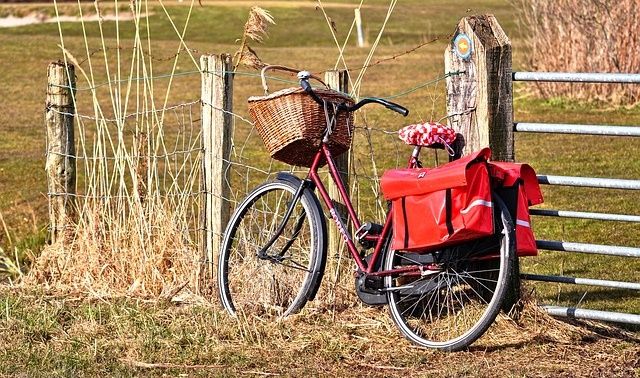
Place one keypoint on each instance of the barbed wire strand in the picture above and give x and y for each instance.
(250, 74)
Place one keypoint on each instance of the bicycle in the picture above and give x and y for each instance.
(274, 254)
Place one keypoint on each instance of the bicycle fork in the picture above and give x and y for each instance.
(279, 257)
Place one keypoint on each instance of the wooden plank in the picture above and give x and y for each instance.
(61, 159)
(217, 123)
(480, 100)
(338, 80)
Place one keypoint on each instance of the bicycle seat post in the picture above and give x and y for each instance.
(414, 162)
(416, 152)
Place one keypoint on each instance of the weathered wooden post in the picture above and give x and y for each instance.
(61, 152)
(480, 101)
(358, 19)
(338, 80)
(480, 98)
(217, 122)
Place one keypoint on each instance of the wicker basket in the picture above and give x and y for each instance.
(291, 124)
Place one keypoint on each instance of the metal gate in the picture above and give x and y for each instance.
(587, 182)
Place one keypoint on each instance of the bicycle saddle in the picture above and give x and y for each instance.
(428, 134)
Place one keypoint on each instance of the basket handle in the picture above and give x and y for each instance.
(283, 68)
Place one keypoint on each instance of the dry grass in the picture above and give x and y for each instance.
(138, 226)
(73, 335)
(99, 322)
(136, 232)
(583, 36)
(256, 29)
(156, 263)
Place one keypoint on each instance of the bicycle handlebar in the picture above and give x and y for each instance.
(387, 104)
(304, 83)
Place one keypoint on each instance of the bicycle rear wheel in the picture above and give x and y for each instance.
(460, 292)
(281, 281)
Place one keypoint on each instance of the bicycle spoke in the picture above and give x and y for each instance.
(451, 309)
(271, 284)
(476, 280)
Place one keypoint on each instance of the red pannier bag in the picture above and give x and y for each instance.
(517, 185)
(435, 207)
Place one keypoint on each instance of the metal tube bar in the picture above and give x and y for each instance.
(324, 194)
(584, 215)
(565, 128)
(581, 313)
(598, 249)
(582, 281)
(590, 182)
(578, 77)
(337, 179)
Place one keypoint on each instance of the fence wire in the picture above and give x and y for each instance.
(140, 178)
(138, 224)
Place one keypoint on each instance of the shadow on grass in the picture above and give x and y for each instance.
(538, 339)
(609, 330)
(596, 332)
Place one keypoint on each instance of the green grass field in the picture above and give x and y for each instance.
(68, 334)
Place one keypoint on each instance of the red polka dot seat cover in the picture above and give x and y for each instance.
(427, 134)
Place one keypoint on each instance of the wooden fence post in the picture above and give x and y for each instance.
(480, 99)
(61, 159)
(338, 80)
(358, 19)
(217, 122)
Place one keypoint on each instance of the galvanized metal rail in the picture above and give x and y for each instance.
(582, 313)
(567, 128)
(585, 215)
(578, 77)
(594, 249)
(588, 182)
(582, 281)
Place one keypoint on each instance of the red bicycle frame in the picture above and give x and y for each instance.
(379, 240)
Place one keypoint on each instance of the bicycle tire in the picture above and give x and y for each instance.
(513, 305)
(453, 308)
(269, 288)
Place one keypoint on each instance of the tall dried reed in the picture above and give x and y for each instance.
(138, 227)
(583, 36)
(138, 170)
(256, 29)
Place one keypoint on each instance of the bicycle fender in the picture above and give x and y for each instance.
(295, 180)
(309, 191)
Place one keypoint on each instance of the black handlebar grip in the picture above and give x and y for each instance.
(395, 107)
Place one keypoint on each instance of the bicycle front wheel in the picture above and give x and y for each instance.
(283, 278)
(459, 291)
